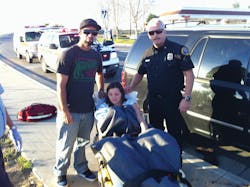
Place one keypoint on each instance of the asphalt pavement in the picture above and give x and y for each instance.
(39, 138)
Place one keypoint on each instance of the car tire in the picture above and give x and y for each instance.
(27, 58)
(110, 75)
(44, 66)
(18, 55)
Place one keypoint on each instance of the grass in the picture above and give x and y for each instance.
(18, 168)
(10, 155)
(124, 41)
(121, 40)
(24, 163)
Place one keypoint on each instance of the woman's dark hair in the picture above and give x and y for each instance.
(115, 85)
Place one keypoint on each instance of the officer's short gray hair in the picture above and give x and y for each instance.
(156, 22)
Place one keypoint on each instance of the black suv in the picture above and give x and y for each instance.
(221, 93)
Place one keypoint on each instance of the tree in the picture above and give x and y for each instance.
(113, 8)
(151, 16)
(136, 11)
(236, 5)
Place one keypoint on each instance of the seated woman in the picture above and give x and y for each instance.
(119, 114)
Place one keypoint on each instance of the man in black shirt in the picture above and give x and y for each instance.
(78, 69)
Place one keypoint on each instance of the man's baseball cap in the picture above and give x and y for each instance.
(89, 22)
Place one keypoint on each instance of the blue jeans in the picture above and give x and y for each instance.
(68, 135)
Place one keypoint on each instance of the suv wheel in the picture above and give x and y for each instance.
(18, 55)
(44, 66)
(110, 75)
(27, 58)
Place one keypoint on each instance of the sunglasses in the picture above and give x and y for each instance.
(151, 33)
(93, 32)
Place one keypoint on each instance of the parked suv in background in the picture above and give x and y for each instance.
(110, 60)
(221, 93)
(25, 43)
(53, 43)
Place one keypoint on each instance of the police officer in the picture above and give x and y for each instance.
(166, 64)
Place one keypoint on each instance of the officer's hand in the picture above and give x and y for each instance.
(127, 89)
(184, 105)
(16, 138)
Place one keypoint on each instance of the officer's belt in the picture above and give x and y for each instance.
(159, 96)
(163, 95)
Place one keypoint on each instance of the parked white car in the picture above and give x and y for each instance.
(53, 43)
(25, 43)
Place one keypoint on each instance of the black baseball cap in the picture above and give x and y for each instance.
(89, 22)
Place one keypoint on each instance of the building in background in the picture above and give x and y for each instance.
(206, 15)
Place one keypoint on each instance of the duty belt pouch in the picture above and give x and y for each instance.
(37, 112)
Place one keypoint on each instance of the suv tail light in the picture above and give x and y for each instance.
(105, 55)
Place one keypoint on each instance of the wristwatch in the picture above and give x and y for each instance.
(187, 98)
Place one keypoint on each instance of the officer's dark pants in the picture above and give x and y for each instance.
(4, 179)
(166, 107)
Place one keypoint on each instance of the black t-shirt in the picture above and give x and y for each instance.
(164, 68)
(81, 67)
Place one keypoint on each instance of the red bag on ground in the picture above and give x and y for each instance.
(37, 112)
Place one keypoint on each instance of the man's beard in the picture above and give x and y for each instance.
(89, 43)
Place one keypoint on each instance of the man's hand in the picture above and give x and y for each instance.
(127, 89)
(16, 138)
(68, 118)
(101, 94)
(184, 105)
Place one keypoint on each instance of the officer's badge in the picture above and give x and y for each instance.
(147, 60)
(184, 51)
(170, 56)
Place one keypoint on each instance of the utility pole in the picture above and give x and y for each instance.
(104, 14)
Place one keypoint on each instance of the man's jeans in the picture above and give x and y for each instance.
(68, 135)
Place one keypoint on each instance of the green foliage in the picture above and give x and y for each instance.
(24, 163)
(10, 155)
(151, 16)
(123, 41)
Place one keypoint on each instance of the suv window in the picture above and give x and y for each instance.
(138, 50)
(196, 54)
(68, 40)
(220, 50)
(178, 39)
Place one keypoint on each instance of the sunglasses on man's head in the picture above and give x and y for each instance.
(151, 33)
(93, 32)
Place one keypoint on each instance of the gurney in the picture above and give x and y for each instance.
(149, 160)
(129, 158)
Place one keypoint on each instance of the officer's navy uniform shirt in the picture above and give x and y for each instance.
(164, 68)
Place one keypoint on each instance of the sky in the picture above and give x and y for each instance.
(17, 13)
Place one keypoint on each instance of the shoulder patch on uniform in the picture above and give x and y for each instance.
(184, 51)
